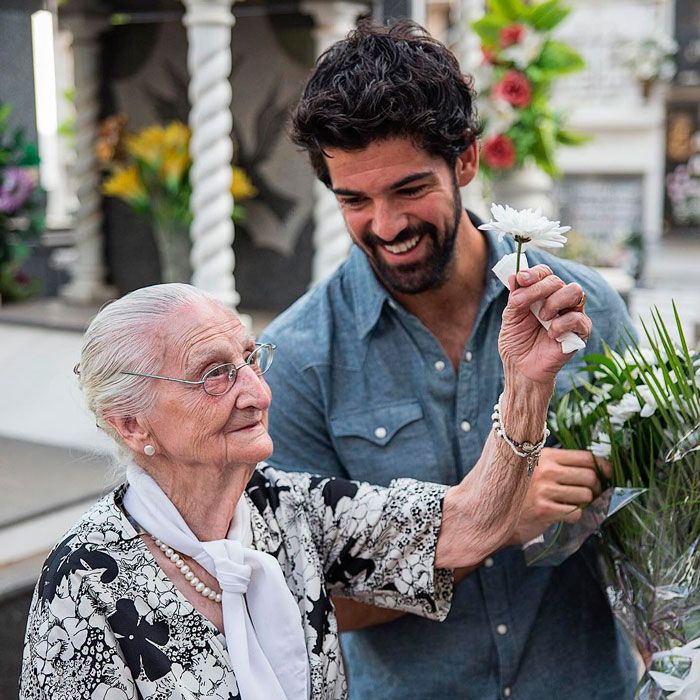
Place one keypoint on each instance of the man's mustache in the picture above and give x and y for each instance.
(406, 234)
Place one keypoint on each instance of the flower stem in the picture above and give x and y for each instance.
(517, 261)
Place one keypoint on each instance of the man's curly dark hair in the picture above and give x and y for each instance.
(382, 82)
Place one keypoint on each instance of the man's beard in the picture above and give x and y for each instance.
(429, 273)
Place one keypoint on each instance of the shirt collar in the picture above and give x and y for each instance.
(368, 292)
(370, 295)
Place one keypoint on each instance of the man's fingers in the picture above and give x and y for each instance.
(577, 458)
(572, 495)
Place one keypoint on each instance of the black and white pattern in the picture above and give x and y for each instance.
(107, 624)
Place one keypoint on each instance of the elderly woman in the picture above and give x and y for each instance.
(207, 573)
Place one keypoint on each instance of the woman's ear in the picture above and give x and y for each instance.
(132, 431)
(467, 164)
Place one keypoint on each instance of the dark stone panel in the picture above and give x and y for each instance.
(394, 9)
(14, 611)
(131, 253)
(270, 281)
(16, 69)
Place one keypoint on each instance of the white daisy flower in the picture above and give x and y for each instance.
(601, 447)
(526, 226)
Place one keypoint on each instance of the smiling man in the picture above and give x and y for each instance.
(390, 368)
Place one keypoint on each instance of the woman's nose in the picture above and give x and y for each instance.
(251, 389)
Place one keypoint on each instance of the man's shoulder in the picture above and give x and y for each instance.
(316, 320)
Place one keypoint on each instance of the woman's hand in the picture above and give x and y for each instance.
(527, 349)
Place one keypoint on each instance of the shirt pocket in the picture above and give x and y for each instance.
(385, 442)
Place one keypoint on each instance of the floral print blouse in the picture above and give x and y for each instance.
(107, 624)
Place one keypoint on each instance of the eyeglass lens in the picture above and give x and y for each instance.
(219, 380)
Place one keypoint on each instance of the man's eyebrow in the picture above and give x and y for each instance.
(394, 185)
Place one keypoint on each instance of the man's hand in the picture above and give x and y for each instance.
(563, 482)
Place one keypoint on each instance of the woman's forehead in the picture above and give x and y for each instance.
(198, 328)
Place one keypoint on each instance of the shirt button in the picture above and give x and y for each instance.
(380, 432)
(465, 425)
(468, 356)
(502, 629)
(439, 365)
(506, 692)
(488, 562)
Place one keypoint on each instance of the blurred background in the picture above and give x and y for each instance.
(127, 127)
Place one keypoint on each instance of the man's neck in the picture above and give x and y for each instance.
(449, 312)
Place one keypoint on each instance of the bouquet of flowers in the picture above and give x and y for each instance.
(150, 171)
(650, 58)
(21, 209)
(521, 61)
(641, 411)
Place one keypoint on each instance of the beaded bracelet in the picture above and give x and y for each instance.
(528, 450)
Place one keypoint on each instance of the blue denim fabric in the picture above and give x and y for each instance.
(361, 389)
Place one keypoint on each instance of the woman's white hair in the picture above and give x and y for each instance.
(127, 334)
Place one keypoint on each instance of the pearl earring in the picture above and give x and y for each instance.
(149, 450)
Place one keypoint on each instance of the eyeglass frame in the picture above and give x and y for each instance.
(272, 347)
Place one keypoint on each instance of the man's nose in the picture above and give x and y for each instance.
(387, 222)
(251, 389)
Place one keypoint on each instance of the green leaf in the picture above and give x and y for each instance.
(570, 138)
(488, 29)
(511, 10)
(547, 15)
(559, 59)
(543, 150)
(5, 110)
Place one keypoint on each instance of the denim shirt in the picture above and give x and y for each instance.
(362, 389)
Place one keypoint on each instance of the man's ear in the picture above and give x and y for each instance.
(467, 164)
(133, 432)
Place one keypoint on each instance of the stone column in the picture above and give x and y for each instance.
(88, 271)
(208, 24)
(331, 240)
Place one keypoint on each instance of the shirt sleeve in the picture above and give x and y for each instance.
(297, 420)
(377, 545)
(70, 652)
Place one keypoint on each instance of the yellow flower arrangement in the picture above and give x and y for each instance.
(155, 178)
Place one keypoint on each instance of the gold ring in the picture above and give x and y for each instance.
(581, 303)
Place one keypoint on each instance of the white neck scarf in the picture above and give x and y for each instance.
(262, 621)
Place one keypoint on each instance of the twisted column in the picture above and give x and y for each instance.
(88, 271)
(333, 20)
(208, 24)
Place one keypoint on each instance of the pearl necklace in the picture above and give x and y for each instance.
(176, 559)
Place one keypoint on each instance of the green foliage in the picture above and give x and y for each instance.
(646, 405)
(517, 41)
(21, 208)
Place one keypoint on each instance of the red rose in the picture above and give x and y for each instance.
(498, 152)
(512, 34)
(514, 88)
(488, 54)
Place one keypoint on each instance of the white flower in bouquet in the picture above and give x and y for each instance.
(650, 404)
(601, 447)
(527, 226)
(525, 51)
(624, 409)
(651, 57)
(498, 115)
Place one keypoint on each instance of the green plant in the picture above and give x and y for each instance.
(21, 208)
(522, 59)
(641, 411)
